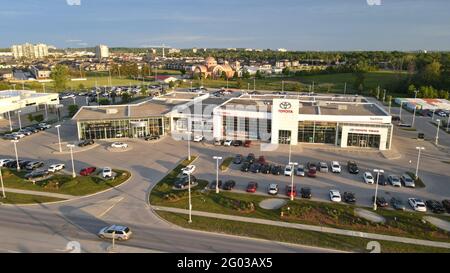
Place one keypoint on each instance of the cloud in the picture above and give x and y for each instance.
(73, 2)
(73, 41)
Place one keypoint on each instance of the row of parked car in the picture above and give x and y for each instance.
(27, 131)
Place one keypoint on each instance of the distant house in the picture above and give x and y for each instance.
(39, 72)
(166, 79)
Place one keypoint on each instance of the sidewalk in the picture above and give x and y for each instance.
(359, 234)
(41, 193)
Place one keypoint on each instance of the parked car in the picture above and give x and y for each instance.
(151, 137)
(86, 142)
(11, 137)
(24, 132)
(368, 178)
(276, 170)
(183, 182)
(237, 159)
(305, 192)
(291, 191)
(323, 167)
(252, 186)
(4, 162)
(218, 142)
(198, 138)
(213, 184)
(34, 165)
(227, 142)
(229, 185)
(55, 167)
(381, 201)
(272, 189)
(37, 174)
(44, 126)
(352, 167)
(417, 204)
(107, 172)
(189, 169)
(119, 145)
(394, 180)
(120, 233)
(335, 167)
(408, 181)
(247, 143)
(288, 170)
(311, 166)
(312, 172)
(446, 204)
(435, 206)
(349, 197)
(87, 171)
(245, 167)
(335, 196)
(265, 168)
(237, 143)
(382, 180)
(261, 160)
(397, 204)
(23, 163)
(255, 168)
(250, 158)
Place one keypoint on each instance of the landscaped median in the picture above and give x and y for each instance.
(340, 216)
(19, 198)
(63, 183)
(226, 164)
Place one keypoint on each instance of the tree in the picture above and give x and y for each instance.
(258, 74)
(171, 84)
(297, 87)
(183, 71)
(126, 98)
(30, 117)
(103, 101)
(39, 118)
(81, 86)
(73, 109)
(286, 71)
(143, 90)
(432, 72)
(60, 76)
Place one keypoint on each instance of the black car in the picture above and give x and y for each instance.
(12, 164)
(37, 174)
(305, 193)
(237, 159)
(352, 167)
(183, 182)
(245, 167)
(32, 129)
(229, 185)
(349, 197)
(446, 204)
(255, 168)
(381, 201)
(265, 169)
(397, 204)
(86, 142)
(382, 180)
(276, 170)
(23, 163)
(237, 143)
(435, 206)
(212, 186)
(250, 158)
(151, 137)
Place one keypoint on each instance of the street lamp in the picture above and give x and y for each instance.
(437, 131)
(1, 181)
(290, 149)
(15, 150)
(190, 201)
(189, 144)
(418, 160)
(71, 146)
(415, 107)
(59, 137)
(10, 122)
(376, 188)
(401, 106)
(293, 164)
(217, 158)
(20, 122)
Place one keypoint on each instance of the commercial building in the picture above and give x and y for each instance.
(343, 121)
(29, 51)
(101, 52)
(27, 101)
(423, 104)
(40, 72)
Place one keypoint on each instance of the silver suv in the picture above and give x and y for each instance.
(118, 232)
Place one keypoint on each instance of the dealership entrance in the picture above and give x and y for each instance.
(284, 137)
(363, 140)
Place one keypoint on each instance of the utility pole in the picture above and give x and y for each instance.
(418, 160)
(1, 180)
(217, 158)
(376, 188)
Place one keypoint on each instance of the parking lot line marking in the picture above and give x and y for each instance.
(110, 208)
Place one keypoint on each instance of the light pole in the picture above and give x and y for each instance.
(15, 150)
(217, 158)
(1, 180)
(437, 131)
(293, 164)
(189, 144)
(376, 188)
(46, 112)
(418, 159)
(432, 117)
(59, 137)
(415, 107)
(190, 201)
(290, 149)
(20, 122)
(10, 122)
(71, 146)
(400, 115)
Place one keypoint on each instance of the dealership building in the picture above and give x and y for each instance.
(342, 121)
(13, 102)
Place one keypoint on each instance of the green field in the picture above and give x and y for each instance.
(18, 198)
(64, 184)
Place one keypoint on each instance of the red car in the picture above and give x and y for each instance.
(312, 172)
(252, 186)
(262, 160)
(289, 191)
(247, 143)
(87, 171)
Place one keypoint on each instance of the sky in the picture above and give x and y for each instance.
(291, 24)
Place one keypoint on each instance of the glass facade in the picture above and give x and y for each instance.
(104, 129)
(317, 132)
(246, 128)
(363, 140)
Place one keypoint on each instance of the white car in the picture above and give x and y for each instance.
(335, 167)
(107, 172)
(55, 167)
(228, 142)
(273, 189)
(188, 169)
(335, 196)
(198, 138)
(394, 180)
(19, 135)
(300, 171)
(4, 161)
(288, 170)
(118, 232)
(368, 178)
(417, 204)
(323, 167)
(119, 145)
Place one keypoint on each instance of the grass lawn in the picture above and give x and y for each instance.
(290, 235)
(18, 198)
(64, 184)
(226, 163)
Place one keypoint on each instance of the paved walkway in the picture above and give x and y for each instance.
(41, 193)
(359, 234)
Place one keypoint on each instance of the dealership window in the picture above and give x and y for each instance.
(363, 140)
(317, 132)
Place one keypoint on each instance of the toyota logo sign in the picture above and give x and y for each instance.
(285, 105)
